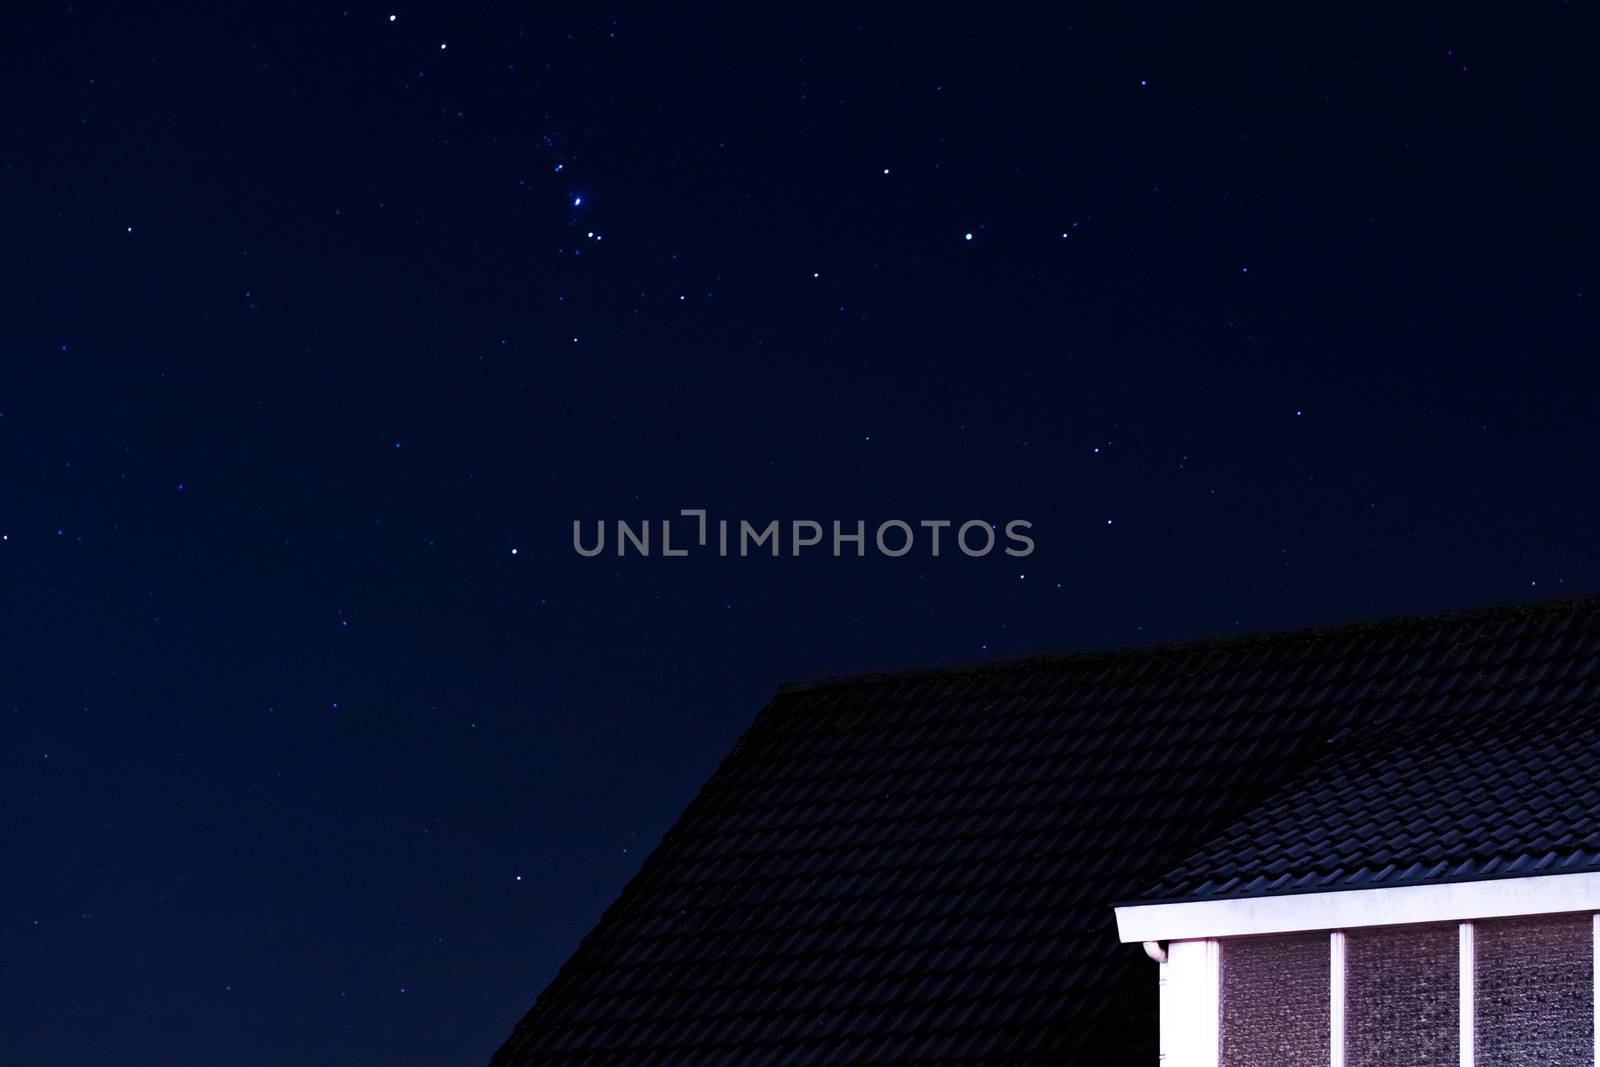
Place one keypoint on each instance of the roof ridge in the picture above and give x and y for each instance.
(1040, 790)
(1396, 623)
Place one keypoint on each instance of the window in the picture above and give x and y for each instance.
(1489, 993)
(1275, 997)
(1403, 996)
(1533, 991)
(1491, 972)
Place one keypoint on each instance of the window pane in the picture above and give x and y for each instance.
(1402, 997)
(1534, 995)
(1275, 1001)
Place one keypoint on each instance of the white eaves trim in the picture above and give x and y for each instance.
(1492, 898)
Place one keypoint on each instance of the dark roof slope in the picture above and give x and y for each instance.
(1507, 792)
(917, 868)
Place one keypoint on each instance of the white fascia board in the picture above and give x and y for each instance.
(1492, 898)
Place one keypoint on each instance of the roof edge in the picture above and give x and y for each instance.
(1406, 883)
(1543, 892)
(1396, 623)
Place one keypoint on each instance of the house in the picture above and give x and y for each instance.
(1373, 844)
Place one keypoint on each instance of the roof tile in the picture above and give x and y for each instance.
(917, 868)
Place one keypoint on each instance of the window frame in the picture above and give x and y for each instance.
(1187, 936)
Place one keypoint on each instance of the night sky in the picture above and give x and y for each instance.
(320, 328)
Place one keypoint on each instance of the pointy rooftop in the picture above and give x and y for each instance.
(919, 866)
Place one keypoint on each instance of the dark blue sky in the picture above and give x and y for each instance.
(1264, 322)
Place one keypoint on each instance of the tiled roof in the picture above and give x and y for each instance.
(918, 868)
(1507, 792)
